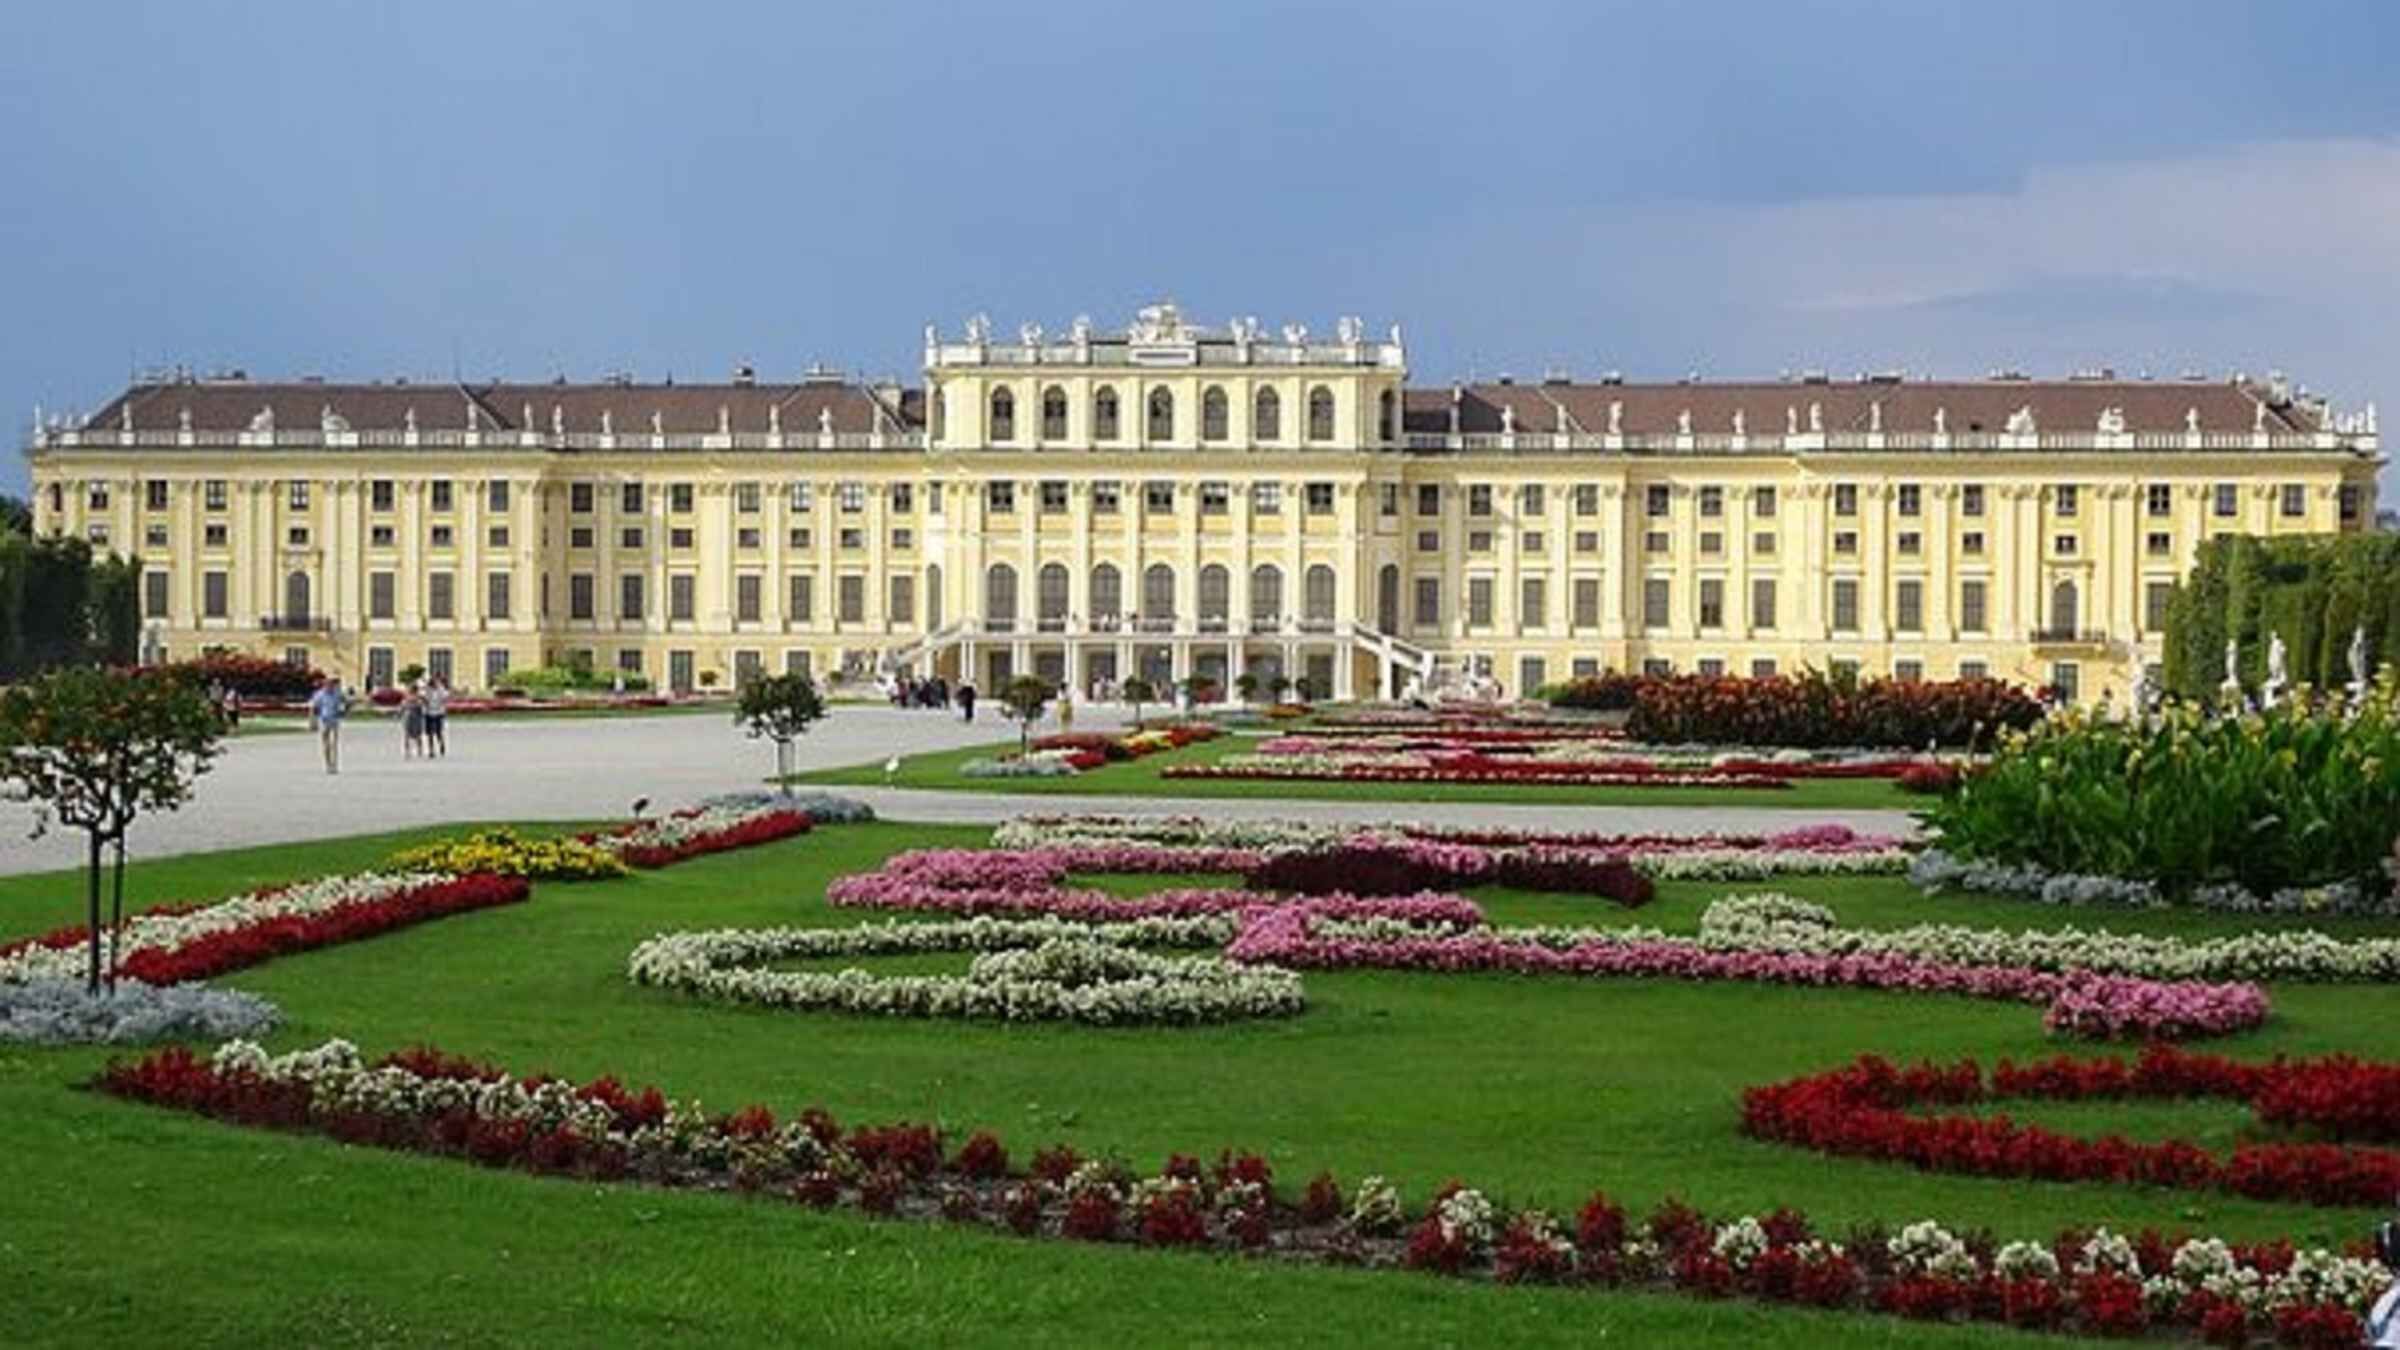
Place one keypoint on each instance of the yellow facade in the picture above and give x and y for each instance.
(1251, 503)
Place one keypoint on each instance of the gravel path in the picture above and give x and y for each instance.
(272, 788)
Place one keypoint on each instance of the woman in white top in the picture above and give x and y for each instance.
(437, 716)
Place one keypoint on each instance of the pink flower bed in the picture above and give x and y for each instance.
(1027, 884)
(2078, 1003)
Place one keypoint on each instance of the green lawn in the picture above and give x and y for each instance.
(1141, 778)
(127, 1224)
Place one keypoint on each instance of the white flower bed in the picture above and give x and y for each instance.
(677, 828)
(1935, 871)
(175, 930)
(1028, 970)
(60, 1012)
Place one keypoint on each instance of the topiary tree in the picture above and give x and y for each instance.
(94, 748)
(1278, 685)
(1246, 684)
(779, 708)
(1023, 699)
(1138, 691)
(1305, 688)
(411, 673)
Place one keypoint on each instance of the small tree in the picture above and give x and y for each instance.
(1138, 691)
(709, 678)
(1246, 684)
(1024, 698)
(96, 748)
(1305, 688)
(1278, 684)
(779, 708)
(411, 673)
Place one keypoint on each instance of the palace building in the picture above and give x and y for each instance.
(1174, 500)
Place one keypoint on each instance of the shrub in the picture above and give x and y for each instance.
(1932, 778)
(2297, 797)
(1610, 692)
(254, 676)
(551, 681)
(507, 853)
(1815, 710)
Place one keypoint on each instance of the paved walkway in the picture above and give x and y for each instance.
(270, 789)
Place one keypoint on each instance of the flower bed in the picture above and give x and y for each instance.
(1813, 709)
(62, 1012)
(1870, 1110)
(1465, 769)
(504, 852)
(1030, 883)
(1937, 870)
(1026, 971)
(699, 830)
(2077, 1003)
(171, 944)
(2096, 1282)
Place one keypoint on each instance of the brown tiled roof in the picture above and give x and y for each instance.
(1970, 405)
(230, 406)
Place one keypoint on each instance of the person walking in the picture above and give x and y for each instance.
(232, 704)
(2383, 1319)
(966, 702)
(1066, 710)
(412, 720)
(326, 708)
(437, 717)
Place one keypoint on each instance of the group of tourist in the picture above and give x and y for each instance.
(424, 719)
(907, 691)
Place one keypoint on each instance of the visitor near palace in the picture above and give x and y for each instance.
(437, 716)
(966, 702)
(325, 711)
(412, 721)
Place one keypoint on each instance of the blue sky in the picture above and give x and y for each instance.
(363, 190)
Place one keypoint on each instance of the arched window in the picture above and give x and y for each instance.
(1216, 593)
(1266, 416)
(1000, 596)
(1162, 415)
(1387, 419)
(1104, 415)
(1266, 595)
(1320, 414)
(1212, 415)
(2065, 611)
(1004, 415)
(1158, 593)
(1387, 598)
(1054, 414)
(1108, 594)
(295, 597)
(1316, 597)
(933, 596)
(1050, 596)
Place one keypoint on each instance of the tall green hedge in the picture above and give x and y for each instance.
(2315, 590)
(60, 606)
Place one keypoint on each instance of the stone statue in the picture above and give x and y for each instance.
(1350, 329)
(2020, 422)
(1941, 421)
(2358, 660)
(1030, 334)
(1875, 417)
(1508, 419)
(1683, 423)
(263, 419)
(608, 422)
(825, 420)
(1791, 420)
(125, 416)
(1737, 422)
(2112, 421)
(933, 337)
(775, 419)
(525, 419)
(1295, 334)
(2258, 418)
(658, 422)
(183, 420)
(330, 422)
(2276, 676)
(1816, 418)
(724, 420)
(409, 420)
(558, 419)
(2138, 697)
(1616, 417)
(2191, 421)
(1081, 329)
(979, 329)
(2233, 666)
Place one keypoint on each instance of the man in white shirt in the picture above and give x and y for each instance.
(325, 710)
(437, 716)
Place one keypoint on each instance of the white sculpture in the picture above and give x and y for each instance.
(2275, 670)
(2358, 661)
(1508, 419)
(1791, 420)
(608, 422)
(2191, 421)
(410, 420)
(1816, 418)
(1737, 422)
(2138, 697)
(1875, 417)
(1941, 421)
(1350, 329)
(2258, 418)
(979, 328)
(1081, 329)
(1616, 417)
(825, 420)
(525, 419)
(558, 419)
(774, 419)
(724, 420)
(2233, 673)
(183, 419)
(2112, 421)
(263, 419)
(658, 423)
(1683, 423)
(933, 337)
(2020, 422)
(331, 422)
(125, 416)
(1295, 334)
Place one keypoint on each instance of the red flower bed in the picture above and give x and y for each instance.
(900, 1169)
(1868, 1110)
(1931, 778)
(764, 828)
(1491, 771)
(216, 953)
(1813, 710)
(1376, 869)
(1095, 742)
(254, 677)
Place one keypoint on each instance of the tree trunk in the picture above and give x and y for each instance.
(116, 917)
(91, 979)
(783, 767)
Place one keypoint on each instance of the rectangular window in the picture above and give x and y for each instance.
(1587, 499)
(2065, 499)
(437, 664)
(1654, 541)
(2063, 545)
(1429, 499)
(1845, 605)
(579, 595)
(803, 497)
(212, 595)
(154, 595)
(382, 589)
(1533, 602)
(495, 495)
(2155, 596)
(1845, 541)
(1319, 499)
(1054, 497)
(1910, 500)
(1657, 667)
(904, 498)
(803, 599)
(578, 536)
(1532, 673)
(379, 495)
(629, 537)
(1266, 499)
(630, 500)
(2352, 500)
(1908, 606)
(579, 498)
(1531, 500)
(1654, 602)
(933, 498)
(1108, 497)
(679, 499)
(1479, 602)
(212, 494)
(1531, 541)
(495, 666)
(1479, 499)
(747, 498)
(439, 491)
(630, 596)
(1908, 671)
(1428, 612)
(749, 598)
(682, 597)
(629, 659)
(1656, 500)
(850, 599)
(2159, 543)
(1845, 499)
(1971, 543)
(1970, 499)
(1584, 667)
(497, 536)
(903, 540)
(1762, 543)
(2160, 499)
(850, 497)
(1158, 498)
(1710, 667)
(1387, 500)
(1712, 502)
(1215, 498)
(298, 497)
(1909, 543)
(1000, 497)
(154, 536)
(902, 606)
(1762, 668)
(2295, 500)
(1587, 541)
(2227, 501)
(1587, 602)
(1712, 602)
(154, 494)
(748, 537)
(1479, 541)
(1762, 603)
(1762, 501)
(1970, 605)
(441, 601)
(1974, 670)
(1429, 541)
(2066, 680)
(497, 588)
(803, 539)
(440, 536)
